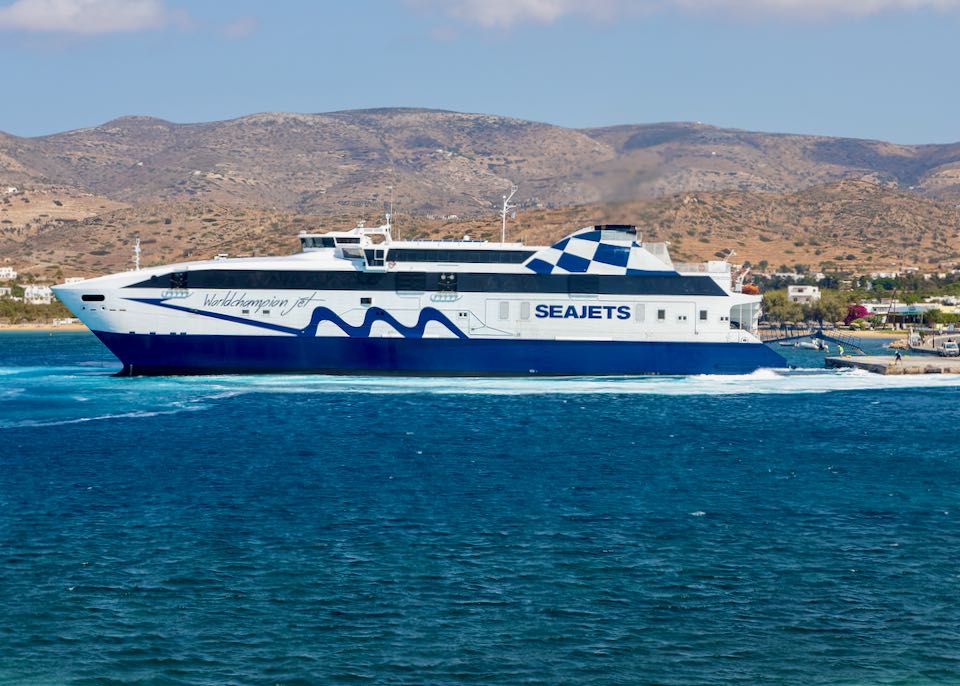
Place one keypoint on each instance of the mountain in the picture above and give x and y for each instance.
(249, 184)
(450, 162)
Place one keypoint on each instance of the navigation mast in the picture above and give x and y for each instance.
(136, 255)
(503, 213)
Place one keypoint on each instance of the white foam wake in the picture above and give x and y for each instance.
(764, 381)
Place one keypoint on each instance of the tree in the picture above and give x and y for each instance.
(778, 307)
(933, 317)
(831, 307)
(855, 312)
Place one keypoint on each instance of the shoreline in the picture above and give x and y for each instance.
(43, 327)
(877, 334)
(81, 327)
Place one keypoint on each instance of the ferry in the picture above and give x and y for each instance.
(601, 301)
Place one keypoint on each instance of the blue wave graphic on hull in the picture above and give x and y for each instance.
(325, 314)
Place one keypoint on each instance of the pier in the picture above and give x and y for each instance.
(793, 332)
(887, 364)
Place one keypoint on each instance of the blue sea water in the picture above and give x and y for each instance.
(797, 527)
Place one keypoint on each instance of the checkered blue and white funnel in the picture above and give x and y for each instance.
(608, 249)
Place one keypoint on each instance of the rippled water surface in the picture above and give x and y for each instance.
(797, 527)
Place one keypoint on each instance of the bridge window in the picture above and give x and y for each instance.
(661, 315)
(317, 242)
(703, 315)
(459, 255)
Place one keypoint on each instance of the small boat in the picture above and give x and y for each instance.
(813, 345)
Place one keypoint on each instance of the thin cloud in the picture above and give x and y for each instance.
(241, 28)
(507, 13)
(88, 17)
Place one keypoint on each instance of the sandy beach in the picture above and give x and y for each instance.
(43, 327)
(878, 334)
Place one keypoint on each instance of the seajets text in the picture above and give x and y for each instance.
(583, 312)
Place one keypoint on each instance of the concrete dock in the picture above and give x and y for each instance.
(887, 364)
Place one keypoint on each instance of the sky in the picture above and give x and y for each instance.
(884, 69)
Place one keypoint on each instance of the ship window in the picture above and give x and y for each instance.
(661, 315)
(524, 310)
(703, 315)
(504, 310)
(411, 281)
(266, 311)
(459, 255)
(583, 284)
(317, 242)
(346, 241)
(178, 280)
(366, 301)
(91, 297)
(639, 312)
(682, 317)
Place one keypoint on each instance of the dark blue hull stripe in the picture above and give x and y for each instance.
(196, 354)
(325, 314)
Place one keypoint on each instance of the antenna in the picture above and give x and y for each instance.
(391, 217)
(136, 255)
(503, 213)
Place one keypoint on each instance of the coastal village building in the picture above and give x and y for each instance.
(8, 274)
(5, 291)
(37, 295)
(803, 294)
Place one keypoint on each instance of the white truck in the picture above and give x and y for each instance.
(949, 349)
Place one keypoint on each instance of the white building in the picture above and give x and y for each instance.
(5, 291)
(37, 295)
(8, 274)
(74, 279)
(788, 276)
(803, 294)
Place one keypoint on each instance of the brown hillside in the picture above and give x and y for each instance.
(855, 226)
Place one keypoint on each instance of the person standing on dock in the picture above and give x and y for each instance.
(840, 349)
(898, 358)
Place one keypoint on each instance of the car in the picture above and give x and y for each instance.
(949, 349)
